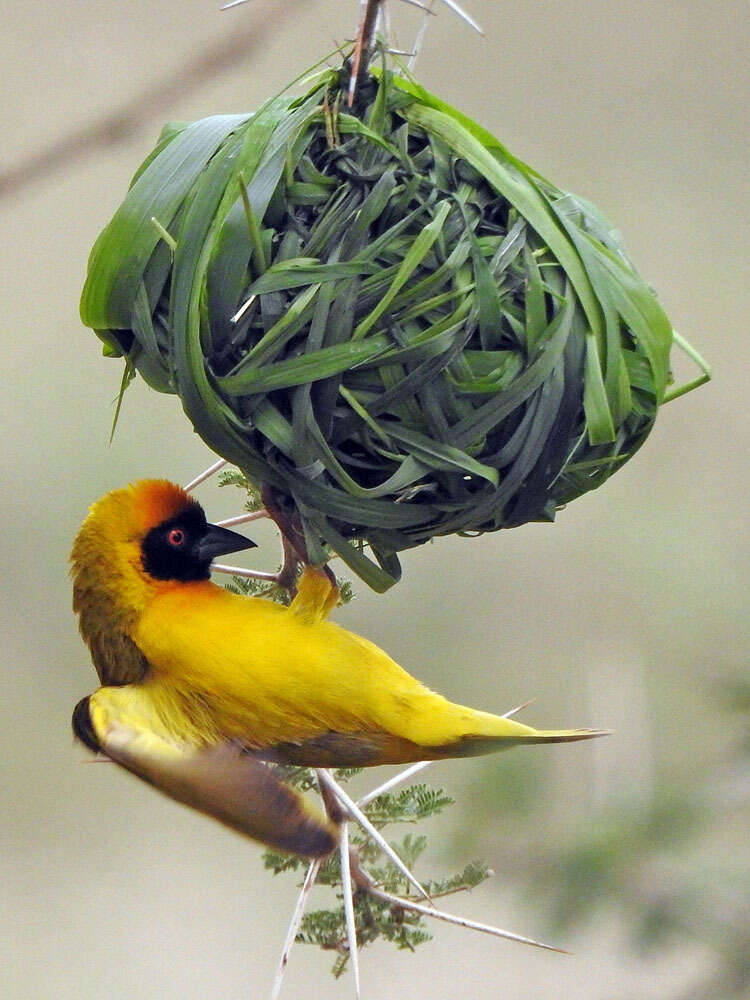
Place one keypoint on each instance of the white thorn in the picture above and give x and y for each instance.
(518, 708)
(206, 474)
(419, 40)
(474, 925)
(392, 782)
(346, 887)
(415, 3)
(234, 3)
(382, 21)
(245, 305)
(463, 15)
(251, 574)
(255, 515)
(365, 823)
(291, 934)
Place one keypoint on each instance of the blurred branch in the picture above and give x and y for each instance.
(121, 124)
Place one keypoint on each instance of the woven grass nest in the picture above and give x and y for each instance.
(381, 315)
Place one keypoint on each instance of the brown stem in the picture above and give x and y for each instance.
(288, 573)
(292, 538)
(292, 533)
(363, 46)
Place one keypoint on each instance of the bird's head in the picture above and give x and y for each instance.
(149, 535)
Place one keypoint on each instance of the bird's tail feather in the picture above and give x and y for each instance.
(477, 745)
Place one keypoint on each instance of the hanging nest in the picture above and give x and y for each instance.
(381, 316)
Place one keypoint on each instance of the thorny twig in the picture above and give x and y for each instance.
(363, 45)
(368, 24)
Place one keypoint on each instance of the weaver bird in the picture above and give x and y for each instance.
(201, 686)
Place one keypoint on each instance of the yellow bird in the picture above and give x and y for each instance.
(201, 686)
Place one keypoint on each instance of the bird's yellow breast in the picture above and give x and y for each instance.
(265, 675)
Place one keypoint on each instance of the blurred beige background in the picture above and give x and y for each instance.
(620, 615)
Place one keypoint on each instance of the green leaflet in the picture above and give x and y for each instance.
(490, 413)
(121, 253)
(304, 369)
(299, 272)
(442, 456)
(376, 577)
(520, 191)
(416, 254)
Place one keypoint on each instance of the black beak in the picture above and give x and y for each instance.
(220, 541)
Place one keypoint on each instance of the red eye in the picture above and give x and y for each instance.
(176, 537)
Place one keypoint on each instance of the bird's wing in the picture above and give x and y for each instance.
(116, 657)
(221, 780)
